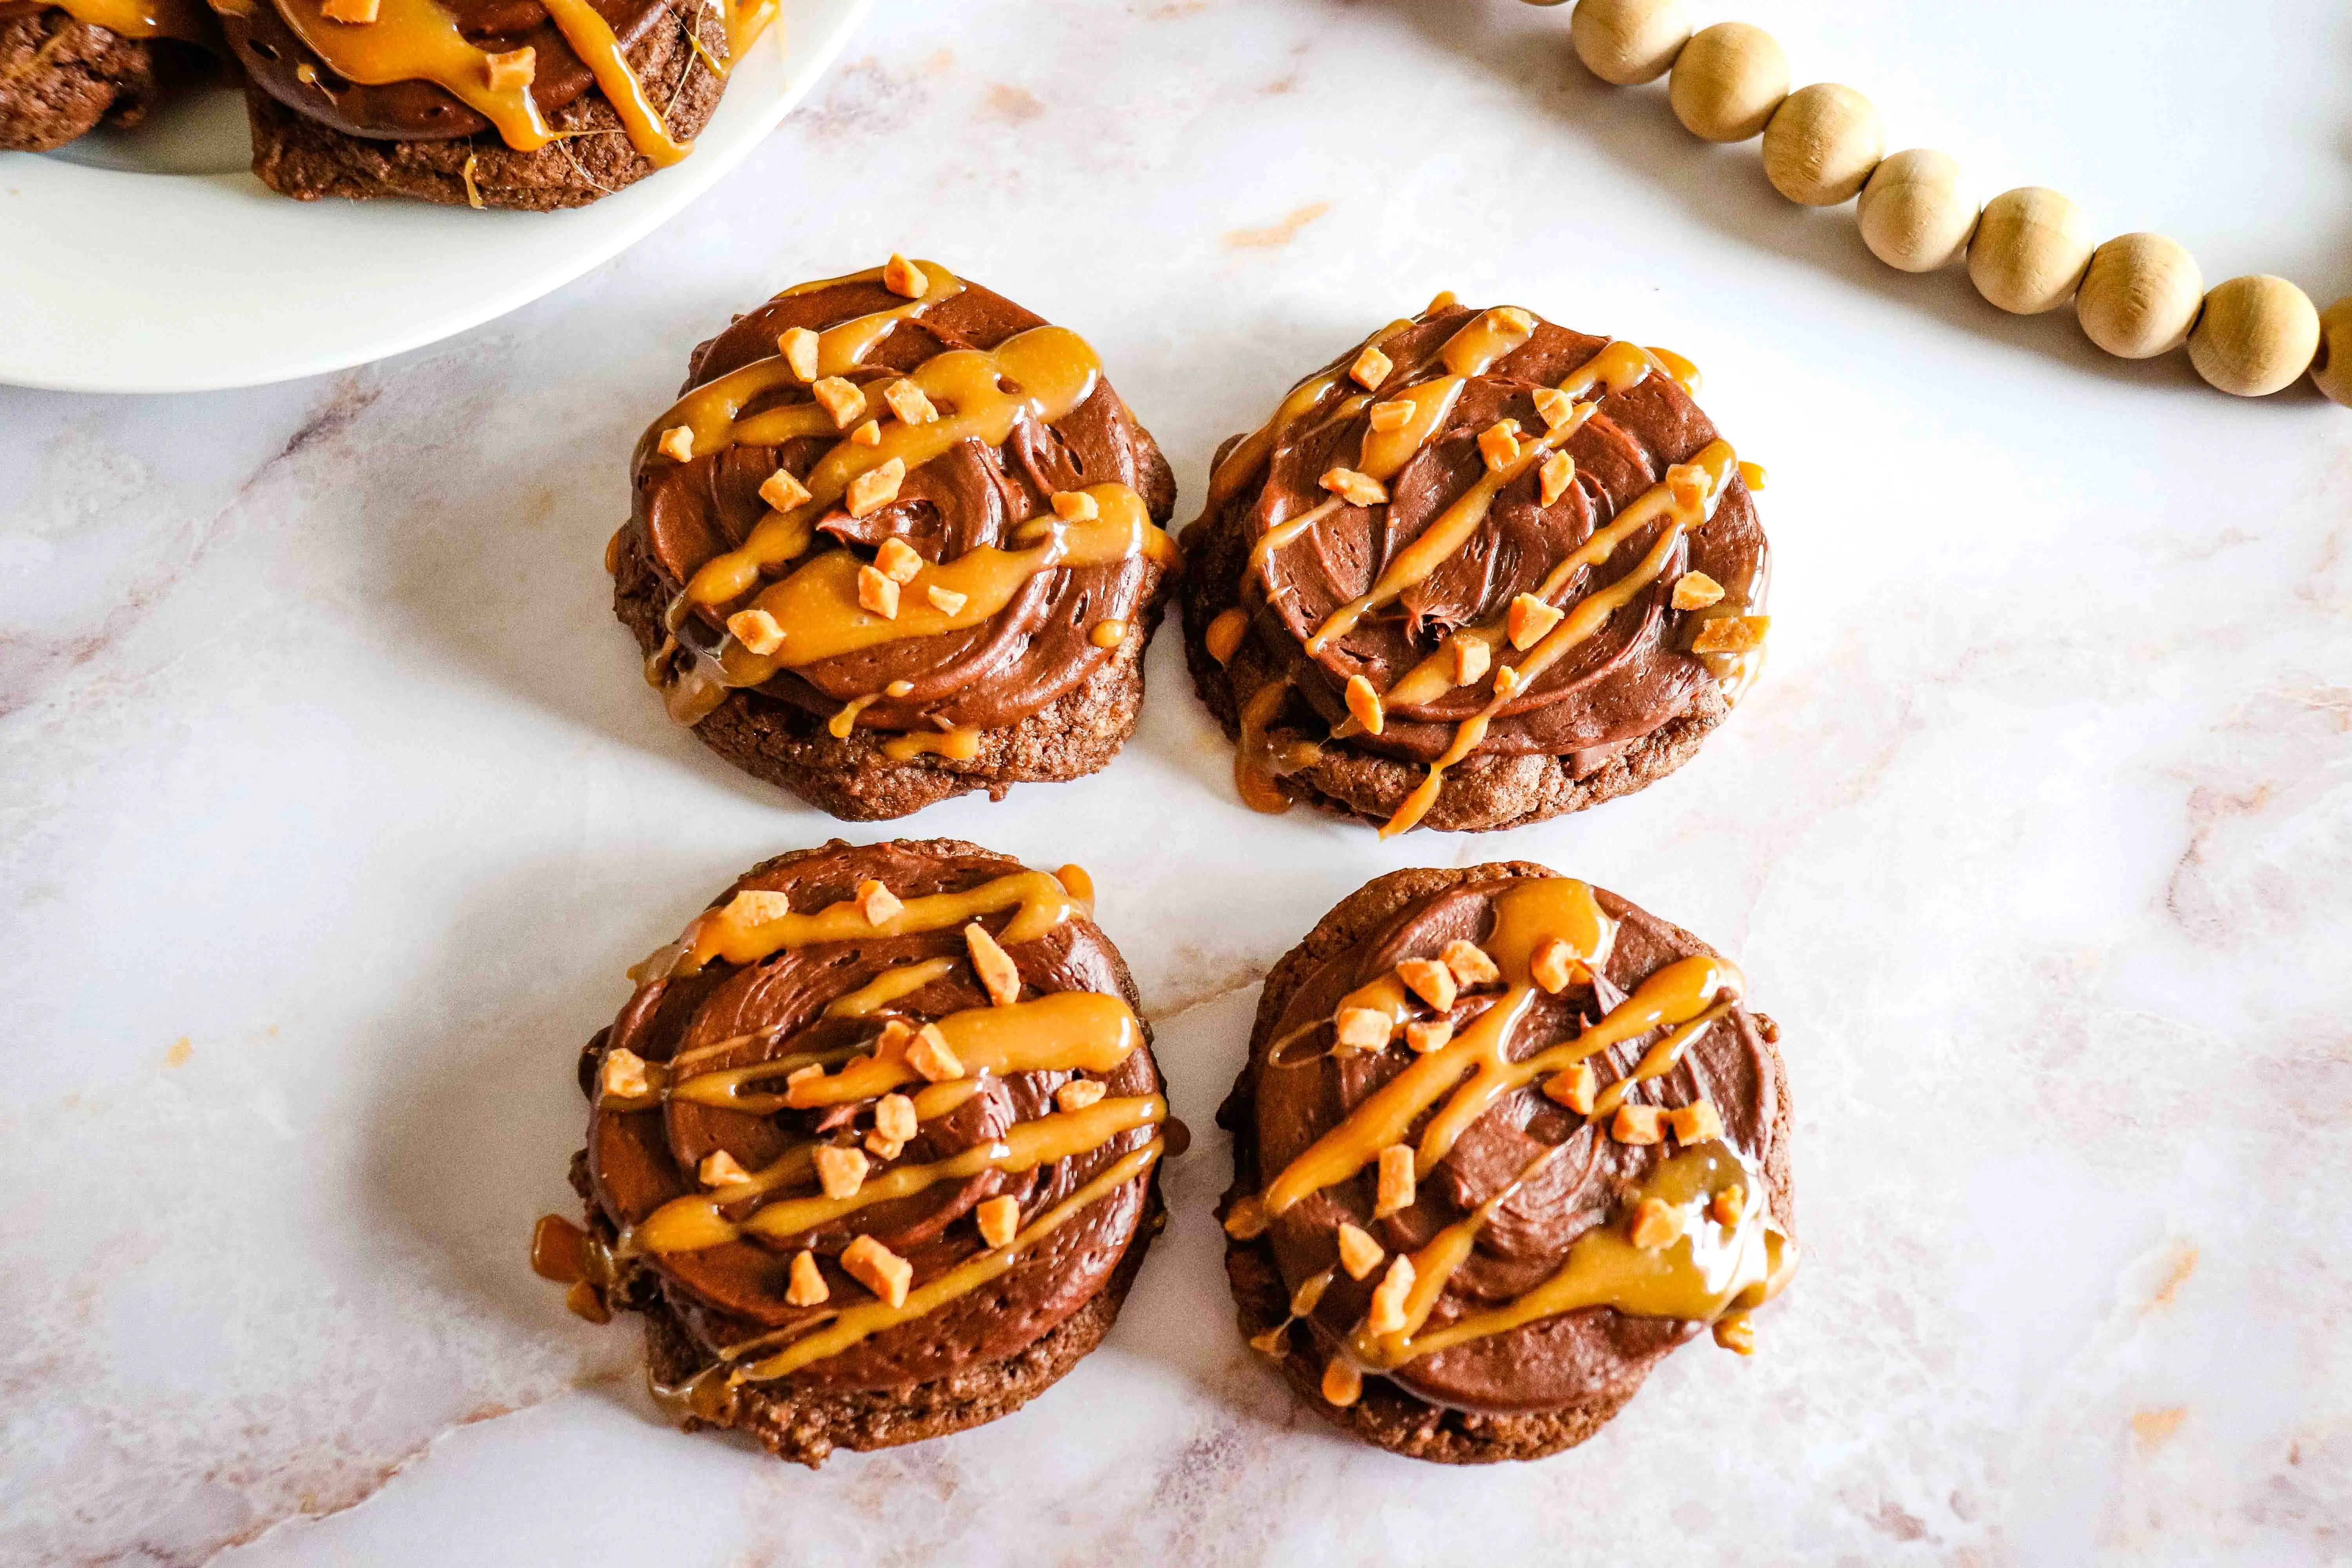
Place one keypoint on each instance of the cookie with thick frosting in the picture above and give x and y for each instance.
(1504, 1141)
(67, 65)
(532, 104)
(897, 540)
(1478, 571)
(873, 1147)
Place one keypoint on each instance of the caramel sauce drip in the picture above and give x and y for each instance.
(722, 933)
(592, 39)
(564, 1253)
(1526, 914)
(184, 19)
(899, 980)
(1283, 533)
(1225, 633)
(1685, 498)
(691, 1224)
(961, 744)
(1684, 374)
(1258, 760)
(852, 1325)
(818, 610)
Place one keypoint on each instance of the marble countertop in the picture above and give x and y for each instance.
(331, 809)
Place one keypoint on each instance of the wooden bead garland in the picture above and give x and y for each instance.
(1728, 80)
(1628, 42)
(2141, 296)
(2028, 250)
(1821, 145)
(2256, 335)
(1916, 214)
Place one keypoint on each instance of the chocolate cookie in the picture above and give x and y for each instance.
(534, 104)
(65, 67)
(874, 1148)
(1503, 1141)
(897, 540)
(1477, 572)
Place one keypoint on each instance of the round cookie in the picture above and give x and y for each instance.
(898, 540)
(63, 68)
(529, 104)
(1475, 572)
(874, 1148)
(1503, 1141)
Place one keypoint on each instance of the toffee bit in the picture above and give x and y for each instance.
(999, 1218)
(998, 974)
(879, 1268)
(876, 903)
(1371, 369)
(783, 492)
(1359, 1253)
(807, 1288)
(799, 346)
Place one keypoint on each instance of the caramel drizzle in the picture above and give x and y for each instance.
(898, 980)
(1041, 898)
(961, 744)
(418, 41)
(852, 1325)
(693, 1223)
(1704, 1276)
(1686, 497)
(1258, 761)
(141, 18)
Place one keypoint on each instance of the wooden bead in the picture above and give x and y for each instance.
(1916, 211)
(2141, 296)
(2257, 335)
(1727, 81)
(2029, 251)
(1628, 41)
(2332, 368)
(1821, 145)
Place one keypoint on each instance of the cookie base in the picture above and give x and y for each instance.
(59, 77)
(301, 158)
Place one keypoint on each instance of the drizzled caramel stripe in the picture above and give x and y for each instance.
(418, 41)
(692, 1223)
(855, 1324)
(1253, 450)
(1043, 901)
(1620, 366)
(1589, 613)
(1066, 1031)
(1526, 915)
(898, 980)
(592, 39)
(818, 611)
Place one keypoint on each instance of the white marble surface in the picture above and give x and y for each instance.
(331, 809)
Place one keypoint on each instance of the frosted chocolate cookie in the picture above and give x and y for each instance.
(1503, 1141)
(1478, 571)
(899, 540)
(873, 1147)
(66, 65)
(532, 104)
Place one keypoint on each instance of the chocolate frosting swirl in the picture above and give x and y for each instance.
(1626, 681)
(982, 677)
(639, 1159)
(420, 111)
(1277, 1112)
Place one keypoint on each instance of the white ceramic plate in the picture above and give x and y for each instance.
(154, 261)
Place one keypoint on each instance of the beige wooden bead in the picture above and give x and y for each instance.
(1822, 143)
(1727, 81)
(2332, 369)
(2141, 296)
(2257, 334)
(1628, 41)
(2029, 251)
(1916, 211)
